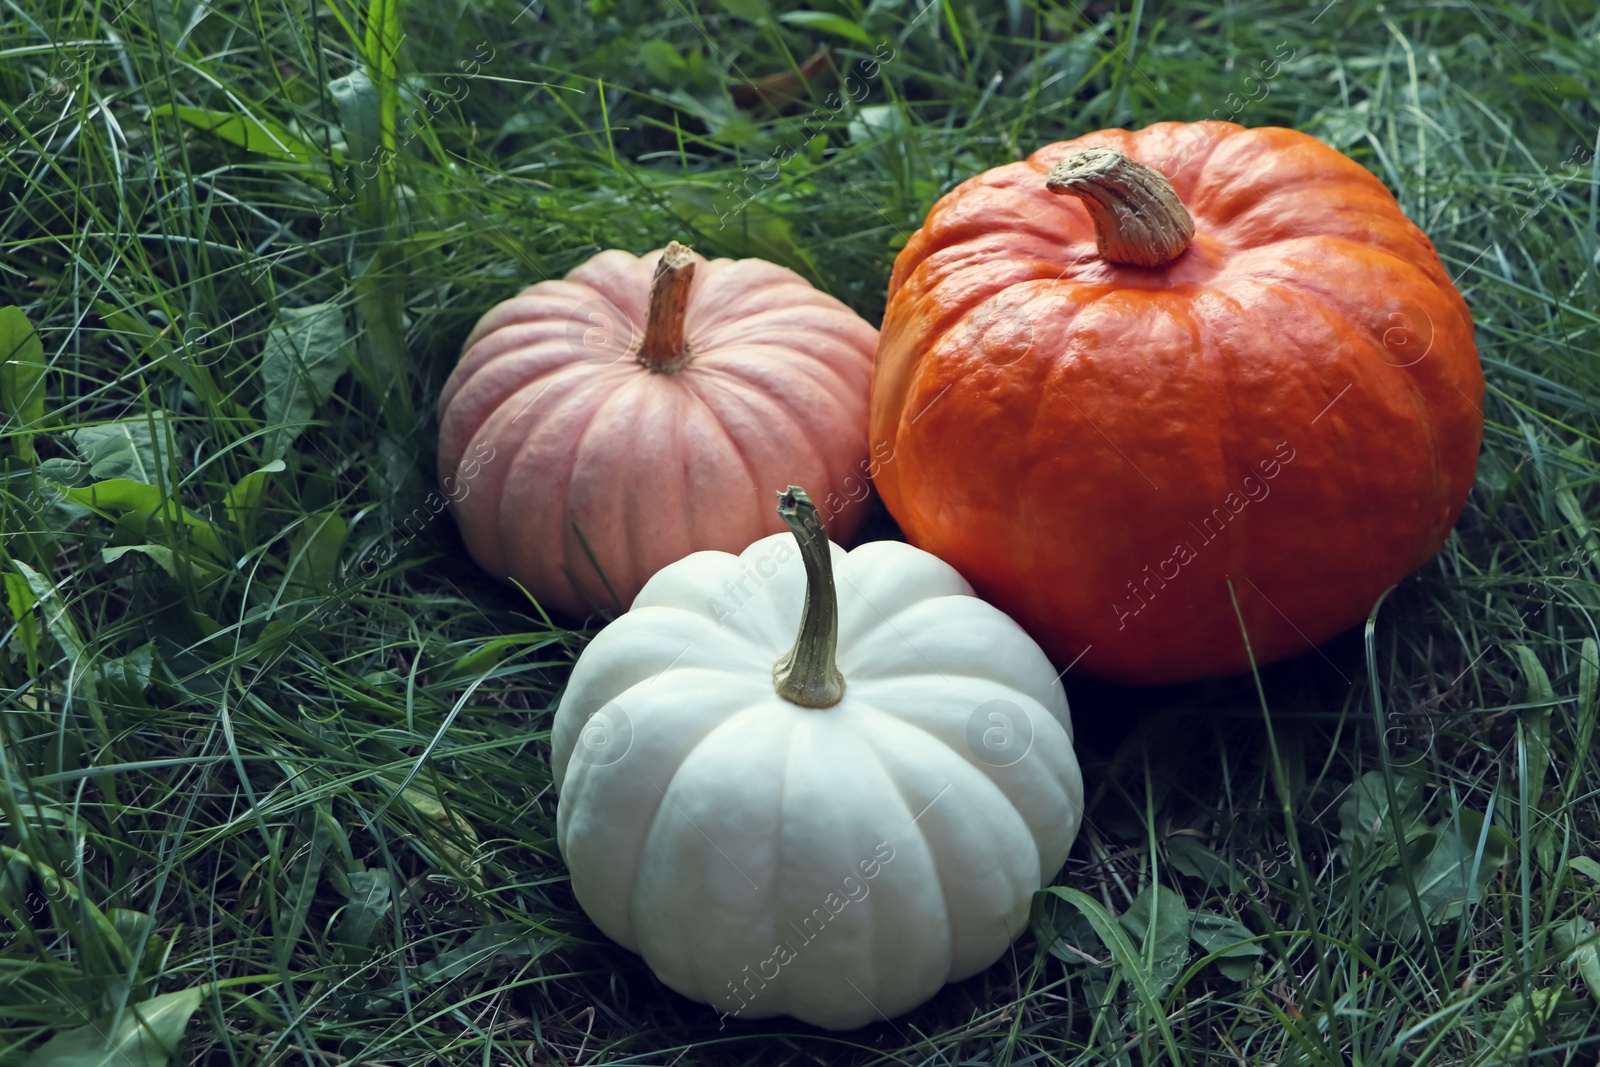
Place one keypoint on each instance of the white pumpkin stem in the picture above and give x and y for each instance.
(664, 349)
(808, 674)
(1138, 219)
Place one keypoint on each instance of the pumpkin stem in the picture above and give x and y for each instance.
(664, 349)
(1138, 219)
(807, 674)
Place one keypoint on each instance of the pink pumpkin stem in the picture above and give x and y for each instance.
(664, 349)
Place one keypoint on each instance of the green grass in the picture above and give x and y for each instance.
(219, 671)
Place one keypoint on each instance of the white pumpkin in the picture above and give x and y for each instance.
(778, 828)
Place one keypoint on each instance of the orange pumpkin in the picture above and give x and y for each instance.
(1142, 375)
(602, 426)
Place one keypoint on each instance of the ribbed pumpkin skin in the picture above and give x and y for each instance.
(1074, 436)
(714, 815)
(648, 466)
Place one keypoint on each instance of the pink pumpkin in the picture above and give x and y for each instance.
(600, 427)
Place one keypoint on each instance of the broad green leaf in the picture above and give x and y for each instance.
(259, 135)
(306, 351)
(727, 123)
(1537, 721)
(1191, 857)
(445, 832)
(273, 636)
(1567, 502)
(377, 100)
(1588, 711)
(132, 448)
(22, 369)
(314, 552)
(875, 121)
(663, 60)
(21, 600)
(342, 860)
(357, 100)
(1533, 672)
(177, 567)
(1065, 933)
(1587, 866)
(133, 928)
(1579, 942)
(64, 471)
(58, 622)
(1126, 956)
(1218, 933)
(1159, 919)
(750, 10)
(60, 885)
(121, 496)
(57, 513)
(1364, 820)
(1521, 1025)
(147, 1036)
(380, 302)
(1454, 875)
(126, 677)
(484, 658)
(246, 492)
(1068, 936)
(823, 22)
(371, 893)
(481, 659)
(301, 881)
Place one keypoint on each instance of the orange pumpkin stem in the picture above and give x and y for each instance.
(664, 349)
(808, 673)
(1138, 219)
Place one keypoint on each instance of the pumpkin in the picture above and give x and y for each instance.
(1151, 391)
(599, 427)
(812, 795)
